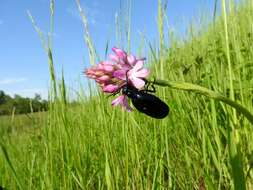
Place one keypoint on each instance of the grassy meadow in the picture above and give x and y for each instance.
(202, 144)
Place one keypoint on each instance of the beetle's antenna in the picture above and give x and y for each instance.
(127, 79)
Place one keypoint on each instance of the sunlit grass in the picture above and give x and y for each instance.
(94, 146)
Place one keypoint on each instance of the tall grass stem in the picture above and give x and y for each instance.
(206, 92)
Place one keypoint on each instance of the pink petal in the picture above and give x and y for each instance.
(126, 67)
(99, 73)
(126, 105)
(106, 63)
(89, 72)
(118, 100)
(104, 78)
(120, 74)
(111, 88)
(138, 83)
(100, 66)
(122, 100)
(131, 60)
(139, 65)
(108, 68)
(119, 52)
(92, 76)
(98, 81)
(143, 73)
(114, 58)
(117, 59)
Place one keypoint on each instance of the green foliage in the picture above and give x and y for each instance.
(20, 105)
(201, 145)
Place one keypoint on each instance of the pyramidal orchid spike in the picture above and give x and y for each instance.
(112, 75)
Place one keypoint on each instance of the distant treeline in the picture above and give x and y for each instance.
(21, 105)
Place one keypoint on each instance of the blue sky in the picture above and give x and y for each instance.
(23, 62)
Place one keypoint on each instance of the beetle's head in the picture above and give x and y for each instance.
(124, 89)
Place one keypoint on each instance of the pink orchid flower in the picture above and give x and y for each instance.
(122, 100)
(114, 74)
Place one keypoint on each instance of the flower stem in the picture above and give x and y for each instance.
(206, 92)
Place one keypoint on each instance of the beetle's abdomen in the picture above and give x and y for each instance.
(150, 105)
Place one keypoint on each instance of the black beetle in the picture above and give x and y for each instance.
(145, 102)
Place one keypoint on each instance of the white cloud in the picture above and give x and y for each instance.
(8, 81)
(73, 12)
(92, 12)
(93, 21)
(53, 34)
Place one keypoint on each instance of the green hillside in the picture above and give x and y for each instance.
(202, 144)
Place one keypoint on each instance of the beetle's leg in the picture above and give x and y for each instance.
(147, 85)
(113, 94)
(153, 88)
